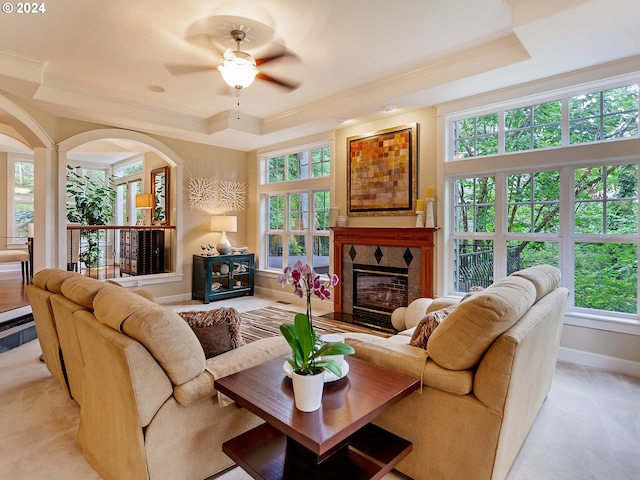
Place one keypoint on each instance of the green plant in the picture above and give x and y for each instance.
(92, 197)
(307, 355)
(90, 202)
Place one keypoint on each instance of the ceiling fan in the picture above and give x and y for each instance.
(239, 69)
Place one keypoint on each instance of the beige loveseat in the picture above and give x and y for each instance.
(485, 373)
(148, 407)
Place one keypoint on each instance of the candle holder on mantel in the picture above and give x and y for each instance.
(429, 222)
(419, 218)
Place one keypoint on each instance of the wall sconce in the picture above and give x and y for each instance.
(144, 202)
(224, 224)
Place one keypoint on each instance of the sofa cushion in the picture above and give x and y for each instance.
(51, 279)
(464, 336)
(81, 290)
(169, 339)
(544, 277)
(218, 330)
(113, 305)
(427, 325)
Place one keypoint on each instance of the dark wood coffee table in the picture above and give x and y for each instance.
(336, 441)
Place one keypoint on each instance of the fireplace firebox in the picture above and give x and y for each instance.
(378, 291)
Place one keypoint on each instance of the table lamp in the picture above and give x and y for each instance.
(224, 224)
(144, 201)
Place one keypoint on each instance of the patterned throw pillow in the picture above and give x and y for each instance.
(427, 325)
(217, 330)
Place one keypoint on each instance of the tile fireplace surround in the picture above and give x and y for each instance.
(410, 248)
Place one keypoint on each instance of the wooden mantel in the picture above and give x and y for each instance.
(380, 236)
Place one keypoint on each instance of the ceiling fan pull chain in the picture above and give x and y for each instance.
(238, 96)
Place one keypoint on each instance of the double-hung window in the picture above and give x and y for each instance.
(295, 203)
(574, 207)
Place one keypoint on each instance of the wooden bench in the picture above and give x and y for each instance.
(11, 256)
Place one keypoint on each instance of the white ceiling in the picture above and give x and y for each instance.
(94, 60)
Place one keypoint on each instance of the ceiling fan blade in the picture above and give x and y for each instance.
(285, 84)
(284, 54)
(186, 69)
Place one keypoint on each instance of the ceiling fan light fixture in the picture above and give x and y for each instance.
(238, 69)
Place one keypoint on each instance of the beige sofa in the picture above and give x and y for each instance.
(148, 406)
(485, 374)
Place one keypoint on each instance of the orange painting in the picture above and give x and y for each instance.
(382, 172)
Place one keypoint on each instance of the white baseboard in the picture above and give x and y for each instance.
(601, 362)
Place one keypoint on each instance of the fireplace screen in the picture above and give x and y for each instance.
(378, 291)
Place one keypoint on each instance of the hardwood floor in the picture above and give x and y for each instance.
(12, 294)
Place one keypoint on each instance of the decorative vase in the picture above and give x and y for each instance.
(307, 391)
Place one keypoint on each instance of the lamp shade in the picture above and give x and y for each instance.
(224, 223)
(144, 200)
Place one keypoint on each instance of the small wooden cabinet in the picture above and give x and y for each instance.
(141, 251)
(222, 276)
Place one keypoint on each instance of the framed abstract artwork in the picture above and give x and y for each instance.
(382, 172)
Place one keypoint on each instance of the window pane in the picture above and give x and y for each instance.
(297, 248)
(547, 136)
(23, 215)
(298, 211)
(321, 162)
(274, 251)
(275, 170)
(517, 118)
(474, 207)
(524, 254)
(23, 181)
(606, 200)
(321, 254)
(517, 141)
(321, 210)
(606, 276)
(533, 202)
(474, 264)
(276, 212)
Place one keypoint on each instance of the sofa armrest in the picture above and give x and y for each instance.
(394, 355)
(233, 361)
(440, 303)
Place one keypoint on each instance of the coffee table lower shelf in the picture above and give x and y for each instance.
(266, 453)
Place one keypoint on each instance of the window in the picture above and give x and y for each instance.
(20, 198)
(128, 183)
(476, 136)
(295, 166)
(296, 207)
(569, 207)
(537, 126)
(604, 115)
(305, 241)
(594, 117)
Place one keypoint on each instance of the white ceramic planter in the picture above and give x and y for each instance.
(307, 391)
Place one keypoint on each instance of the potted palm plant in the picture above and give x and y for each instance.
(308, 358)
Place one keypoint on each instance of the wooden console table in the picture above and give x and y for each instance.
(336, 441)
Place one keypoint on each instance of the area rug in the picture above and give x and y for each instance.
(265, 322)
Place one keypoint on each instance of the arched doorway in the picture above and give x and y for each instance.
(111, 146)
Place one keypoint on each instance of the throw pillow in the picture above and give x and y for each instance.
(427, 325)
(217, 330)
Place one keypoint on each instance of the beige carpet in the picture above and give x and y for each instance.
(588, 428)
